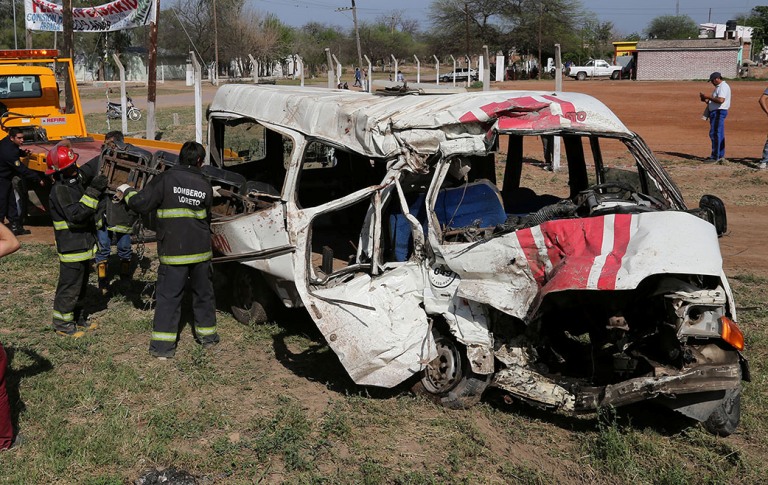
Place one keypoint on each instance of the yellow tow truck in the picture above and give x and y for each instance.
(33, 98)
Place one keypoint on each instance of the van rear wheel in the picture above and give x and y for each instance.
(250, 297)
(448, 379)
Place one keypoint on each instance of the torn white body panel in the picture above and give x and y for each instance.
(251, 234)
(366, 124)
(384, 337)
(467, 319)
(612, 252)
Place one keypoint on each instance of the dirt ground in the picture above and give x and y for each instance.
(668, 116)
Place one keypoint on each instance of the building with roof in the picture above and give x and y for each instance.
(687, 59)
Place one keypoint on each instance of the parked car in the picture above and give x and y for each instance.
(594, 68)
(383, 217)
(461, 74)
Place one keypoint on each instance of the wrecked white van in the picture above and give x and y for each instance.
(407, 229)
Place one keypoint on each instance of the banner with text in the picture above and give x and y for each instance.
(117, 15)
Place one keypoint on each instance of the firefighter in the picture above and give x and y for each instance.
(182, 197)
(10, 166)
(72, 210)
(114, 221)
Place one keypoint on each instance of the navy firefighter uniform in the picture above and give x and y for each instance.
(10, 166)
(72, 209)
(182, 198)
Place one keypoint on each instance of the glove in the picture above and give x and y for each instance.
(120, 193)
(99, 183)
(216, 190)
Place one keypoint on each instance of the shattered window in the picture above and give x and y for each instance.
(329, 173)
(243, 142)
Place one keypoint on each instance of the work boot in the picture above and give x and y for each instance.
(18, 230)
(101, 270)
(125, 268)
(69, 331)
(85, 324)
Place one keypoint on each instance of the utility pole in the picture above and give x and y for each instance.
(357, 36)
(215, 47)
(466, 25)
(541, 14)
(68, 48)
(677, 8)
(152, 81)
(357, 32)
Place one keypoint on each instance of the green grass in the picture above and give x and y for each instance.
(99, 410)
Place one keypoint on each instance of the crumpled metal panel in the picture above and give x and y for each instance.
(467, 319)
(614, 252)
(389, 341)
(367, 124)
(257, 231)
(520, 381)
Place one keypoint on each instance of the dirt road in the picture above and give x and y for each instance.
(668, 116)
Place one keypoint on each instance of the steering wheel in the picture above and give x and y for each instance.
(597, 194)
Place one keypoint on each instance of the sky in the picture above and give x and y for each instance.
(627, 15)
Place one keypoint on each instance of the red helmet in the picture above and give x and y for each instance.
(60, 158)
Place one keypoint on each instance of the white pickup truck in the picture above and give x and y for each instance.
(594, 68)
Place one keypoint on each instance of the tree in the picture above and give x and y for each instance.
(460, 26)
(672, 27)
(758, 20)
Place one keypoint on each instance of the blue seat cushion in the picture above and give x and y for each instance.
(455, 207)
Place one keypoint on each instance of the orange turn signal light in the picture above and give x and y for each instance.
(731, 333)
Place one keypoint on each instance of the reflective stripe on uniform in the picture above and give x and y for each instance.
(89, 201)
(77, 257)
(64, 317)
(120, 229)
(175, 213)
(129, 195)
(164, 336)
(186, 258)
(64, 225)
(205, 331)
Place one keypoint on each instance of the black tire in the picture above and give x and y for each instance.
(581, 75)
(134, 115)
(251, 299)
(615, 75)
(725, 418)
(448, 380)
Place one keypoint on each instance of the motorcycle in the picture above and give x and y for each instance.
(115, 110)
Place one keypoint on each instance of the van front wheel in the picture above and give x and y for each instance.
(449, 380)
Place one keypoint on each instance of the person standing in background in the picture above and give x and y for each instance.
(718, 104)
(763, 102)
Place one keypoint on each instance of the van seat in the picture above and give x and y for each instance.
(455, 207)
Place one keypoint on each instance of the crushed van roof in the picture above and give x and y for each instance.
(382, 126)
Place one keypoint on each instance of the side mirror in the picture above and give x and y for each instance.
(716, 209)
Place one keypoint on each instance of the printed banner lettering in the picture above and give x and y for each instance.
(117, 15)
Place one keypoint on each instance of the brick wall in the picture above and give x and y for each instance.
(661, 65)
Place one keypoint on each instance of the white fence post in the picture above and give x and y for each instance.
(123, 96)
(369, 77)
(418, 69)
(394, 59)
(338, 70)
(437, 70)
(454, 70)
(198, 75)
(330, 73)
